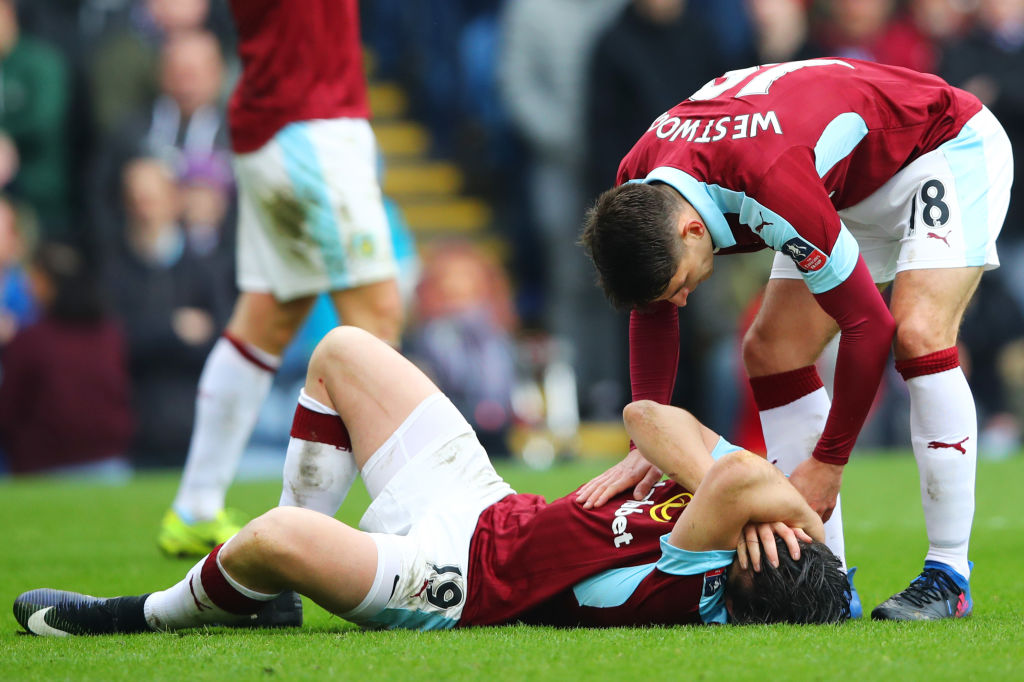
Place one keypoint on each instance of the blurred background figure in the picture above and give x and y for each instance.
(125, 64)
(187, 116)
(208, 212)
(184, 120)
(17, 238)
(65, 395)
(654, 54)
(544, 66)
(873, 30)
(172, 304)
(462, 337)
(781, 32)
(34, 97)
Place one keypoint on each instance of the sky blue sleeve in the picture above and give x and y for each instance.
(713, 564)
(722, 448)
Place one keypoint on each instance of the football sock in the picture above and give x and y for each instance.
(944, 435)
(319, 468)
(206, 595)
(232, 387)
(793, 407)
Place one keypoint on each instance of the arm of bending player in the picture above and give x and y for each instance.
(653, 363)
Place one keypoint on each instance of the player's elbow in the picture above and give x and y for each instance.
(637, 413)
(737, 473)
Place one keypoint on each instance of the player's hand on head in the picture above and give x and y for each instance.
(819, 483)
(633, 470)
(758, 538)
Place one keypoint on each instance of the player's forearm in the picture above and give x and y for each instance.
(654, 352)
(867, 328)
(671, 439)
(773, 499)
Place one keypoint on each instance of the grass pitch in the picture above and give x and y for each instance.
(101, 540)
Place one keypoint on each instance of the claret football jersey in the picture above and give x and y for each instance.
(767, 155)
(560, 564)
(301, 60)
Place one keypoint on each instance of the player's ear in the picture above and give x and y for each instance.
(692, 229)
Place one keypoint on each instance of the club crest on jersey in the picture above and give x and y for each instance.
(664, 511)
(806, 257)
(713, 581)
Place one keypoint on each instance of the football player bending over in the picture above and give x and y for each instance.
(447, 543)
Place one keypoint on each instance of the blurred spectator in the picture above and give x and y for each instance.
(186, 120)
(462, 337)
(781, 32)
(730, 27)
(206, 202)
(940, 22)
(171, 302)
(653, 55)
(17, 305)
(64, 397)
(547, 46)
(124, 69)
(33, 123)
(871, 30)
(188, 116)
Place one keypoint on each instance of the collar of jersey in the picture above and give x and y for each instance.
(696, 192)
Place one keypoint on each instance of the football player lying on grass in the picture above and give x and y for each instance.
(447, 543)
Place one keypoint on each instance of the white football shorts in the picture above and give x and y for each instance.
(423, 516)
(944, 210)
(310, 212)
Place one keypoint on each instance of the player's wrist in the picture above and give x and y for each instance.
(832, 459)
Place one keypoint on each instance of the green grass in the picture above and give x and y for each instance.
(100, 540)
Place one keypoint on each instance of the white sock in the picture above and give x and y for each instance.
(317, 475)
(234, 383)
(944, 435)
(790, 433)
(194, 600)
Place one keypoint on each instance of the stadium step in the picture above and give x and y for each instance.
(387, 101)
(447, 216)
(401, 138)
(413, 179)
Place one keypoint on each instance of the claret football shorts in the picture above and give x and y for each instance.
(311, 217)
(429, 483)
(944, 210)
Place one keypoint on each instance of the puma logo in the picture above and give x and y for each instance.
(936, 444)
(932, 235)
(760, 227)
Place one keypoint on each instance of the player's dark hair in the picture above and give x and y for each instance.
(811, 590)
(629, 234)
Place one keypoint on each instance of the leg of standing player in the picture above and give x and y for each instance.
(779, 351)
(928, 306)
(310, 220)
(958, 197)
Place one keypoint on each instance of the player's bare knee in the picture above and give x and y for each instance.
(339, 347)
(271, 538)
(916, 337)
(757, 351)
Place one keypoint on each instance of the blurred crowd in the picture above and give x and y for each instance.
(116, 212)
